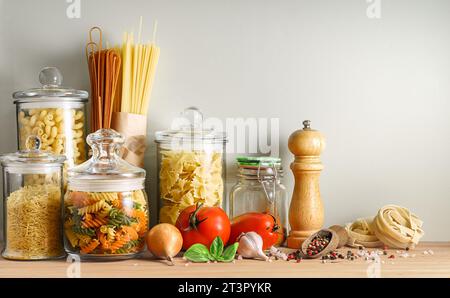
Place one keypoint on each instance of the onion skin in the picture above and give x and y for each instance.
(164, 241)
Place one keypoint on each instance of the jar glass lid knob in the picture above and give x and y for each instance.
(50, 77)
(194, 118)
(105, 143)
(33, 143)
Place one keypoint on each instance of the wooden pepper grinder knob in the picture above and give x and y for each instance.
(306, 209)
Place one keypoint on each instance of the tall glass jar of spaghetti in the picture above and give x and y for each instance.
(191, 166)
(105, 207)
(55, 114)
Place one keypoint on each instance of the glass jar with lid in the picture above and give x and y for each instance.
(55, 114)
(105, 206)
(259, 189)
(191, 166)
(32, 203)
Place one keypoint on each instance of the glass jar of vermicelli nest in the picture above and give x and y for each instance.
(106, 211)
(56, 114)
(32, 207)
(191, 166)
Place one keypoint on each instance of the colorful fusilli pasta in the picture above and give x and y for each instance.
(106, 223)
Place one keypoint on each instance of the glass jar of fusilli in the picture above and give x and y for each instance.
(106, 212)
(56, 115)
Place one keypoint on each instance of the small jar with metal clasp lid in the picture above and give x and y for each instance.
(32, 203)
(259, 189)
(105, 207)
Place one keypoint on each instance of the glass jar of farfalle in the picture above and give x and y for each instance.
(56, 115)
(191, 166)
(106, 211)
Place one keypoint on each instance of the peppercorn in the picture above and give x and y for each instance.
(385, 253)
(352, 258)
(407, 248)
(391, 257)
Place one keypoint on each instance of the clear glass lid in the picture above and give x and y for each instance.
(51, 89)
(32, 159)
(190, 127)
(106, 168)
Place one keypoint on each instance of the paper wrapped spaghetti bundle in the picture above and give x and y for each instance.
(134, 128)
(139, 68)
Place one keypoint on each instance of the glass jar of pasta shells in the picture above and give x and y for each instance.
(259, 189)
(56, 114)
(191, 166)
(32, 204)
(105, 207)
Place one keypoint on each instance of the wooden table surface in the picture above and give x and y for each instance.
(421, 265)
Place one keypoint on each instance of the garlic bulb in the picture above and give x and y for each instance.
(250, 246)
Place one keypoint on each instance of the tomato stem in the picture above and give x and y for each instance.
(193, 220)
(275, 224)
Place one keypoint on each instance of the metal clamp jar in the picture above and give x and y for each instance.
(32, 203)
(259, 189)
(191, 166)
(105, 206)
(55, 114)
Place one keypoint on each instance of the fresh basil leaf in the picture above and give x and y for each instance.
(230, 252)
(216, 248)
(198, 253)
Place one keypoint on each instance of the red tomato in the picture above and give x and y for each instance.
(199, 224)
(264, 224)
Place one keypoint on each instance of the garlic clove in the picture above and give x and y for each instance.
(250, 246)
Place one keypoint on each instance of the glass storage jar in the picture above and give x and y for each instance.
(32, 204)
(259, 189)
(56, 114)
(105, 206)
(191, 166)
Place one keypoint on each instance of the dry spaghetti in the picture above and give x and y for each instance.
(33, 223)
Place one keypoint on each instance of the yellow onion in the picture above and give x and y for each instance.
(164, 241)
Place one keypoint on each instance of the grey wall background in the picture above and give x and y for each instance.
(379, 89)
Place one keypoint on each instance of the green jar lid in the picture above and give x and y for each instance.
(259, 161)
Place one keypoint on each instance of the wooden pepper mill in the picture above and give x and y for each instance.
(306, 209)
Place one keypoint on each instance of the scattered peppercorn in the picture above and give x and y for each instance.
(407, 248)
(385, 253)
